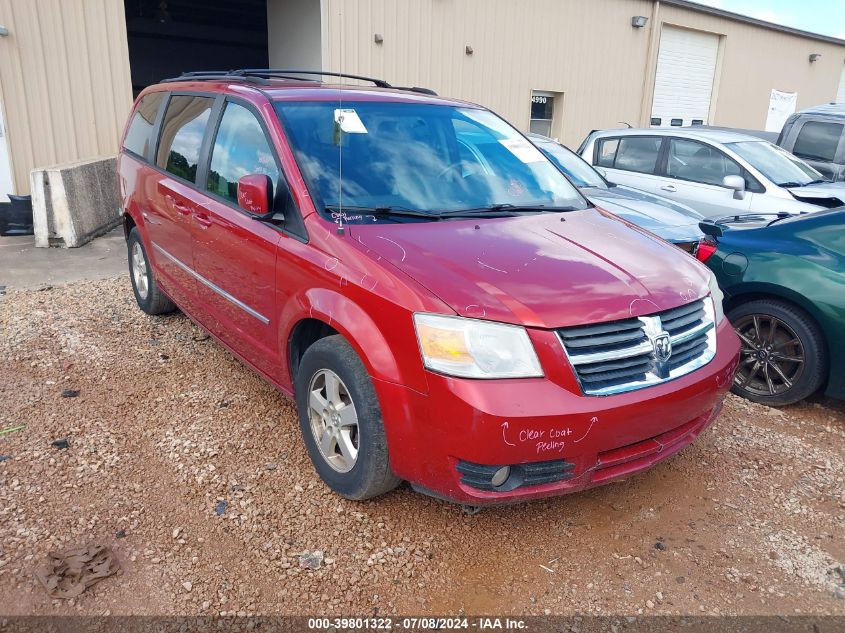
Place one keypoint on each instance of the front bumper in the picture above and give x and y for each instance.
(526, 421)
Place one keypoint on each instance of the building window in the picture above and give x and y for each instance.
(542, 113)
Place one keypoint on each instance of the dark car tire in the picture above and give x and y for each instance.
(813, 370)
(370, 474)
(149, 296)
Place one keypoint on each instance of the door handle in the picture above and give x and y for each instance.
(669, 188)
(203, 220)
(180, 207)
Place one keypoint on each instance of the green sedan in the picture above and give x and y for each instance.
(784, 285)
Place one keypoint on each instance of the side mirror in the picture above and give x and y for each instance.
(254, 193)
(737, 183)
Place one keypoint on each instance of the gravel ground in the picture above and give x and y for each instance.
(192, 469)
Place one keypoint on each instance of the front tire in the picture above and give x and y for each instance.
(341, 421)
(783, 358)
(149, 296)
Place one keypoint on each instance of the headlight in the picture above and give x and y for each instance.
(718, 296)
(470, 348)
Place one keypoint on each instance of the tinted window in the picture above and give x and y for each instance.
(376, 154)
(698, 162)
(576, 168)
(139, 134)
(818, 140)
(776, 164)
(638, 153)
(181, 135)
(607, 151)
(240, 149)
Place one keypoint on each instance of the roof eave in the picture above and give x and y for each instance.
(722, 13)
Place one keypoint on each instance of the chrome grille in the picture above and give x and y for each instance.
(630, 354)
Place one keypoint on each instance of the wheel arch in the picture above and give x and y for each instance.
(321, 312)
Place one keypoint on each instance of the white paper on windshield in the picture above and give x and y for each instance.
(349, 121)
(523, 150)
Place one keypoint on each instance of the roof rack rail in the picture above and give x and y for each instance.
(261, 75)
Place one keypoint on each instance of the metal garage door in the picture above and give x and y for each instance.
(686, 66)
(840, 94)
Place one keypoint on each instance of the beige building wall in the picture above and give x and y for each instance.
(64, 81)
(585, 50)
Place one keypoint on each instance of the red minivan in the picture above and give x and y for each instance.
(442, 303)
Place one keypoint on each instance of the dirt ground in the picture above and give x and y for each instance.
(192, 469)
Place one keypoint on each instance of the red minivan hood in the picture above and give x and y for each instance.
(544, 270)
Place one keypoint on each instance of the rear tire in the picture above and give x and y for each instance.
(783, 358)
(341, 421)
(149, 296)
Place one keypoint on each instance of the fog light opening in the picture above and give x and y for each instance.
(501, 476)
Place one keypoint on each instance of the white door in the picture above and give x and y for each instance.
(694, 175)
(683, 85)
(6, 184)
(840, 94)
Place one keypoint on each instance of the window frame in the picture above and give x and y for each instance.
(746, 175)
(658, 163)
(293, 224)
(838, 148)
(152, 146)
(217, 99)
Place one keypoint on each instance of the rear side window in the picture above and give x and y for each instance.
(139, 134)
(240, 149)
(638, 153)
(818, 140)
(182, 132)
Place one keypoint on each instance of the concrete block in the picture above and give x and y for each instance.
(74, 203)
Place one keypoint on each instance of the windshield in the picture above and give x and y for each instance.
(576, 168)
(776, 164)
(419, 157)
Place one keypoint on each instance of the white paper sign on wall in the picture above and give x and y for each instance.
(781, 105)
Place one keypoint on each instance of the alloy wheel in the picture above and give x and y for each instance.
(334, 420)
(771, 357)
(139, 271)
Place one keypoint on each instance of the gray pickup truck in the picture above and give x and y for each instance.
(817, 135)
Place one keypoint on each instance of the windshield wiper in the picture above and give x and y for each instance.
(792, 184)
(382, 211)
(819, 181)
(501, 210)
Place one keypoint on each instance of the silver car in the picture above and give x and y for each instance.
(717, 172)
(673, 222)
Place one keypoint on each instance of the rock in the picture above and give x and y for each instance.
(311, 560)
(649, 604)
(120, 534)
(177, 532)
(60, 444)
(70, 393)
(220, 508)
(659, 546)
(188, 585)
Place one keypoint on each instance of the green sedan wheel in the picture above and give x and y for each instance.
(782, 358)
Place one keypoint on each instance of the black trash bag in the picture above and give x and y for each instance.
(16, 216)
